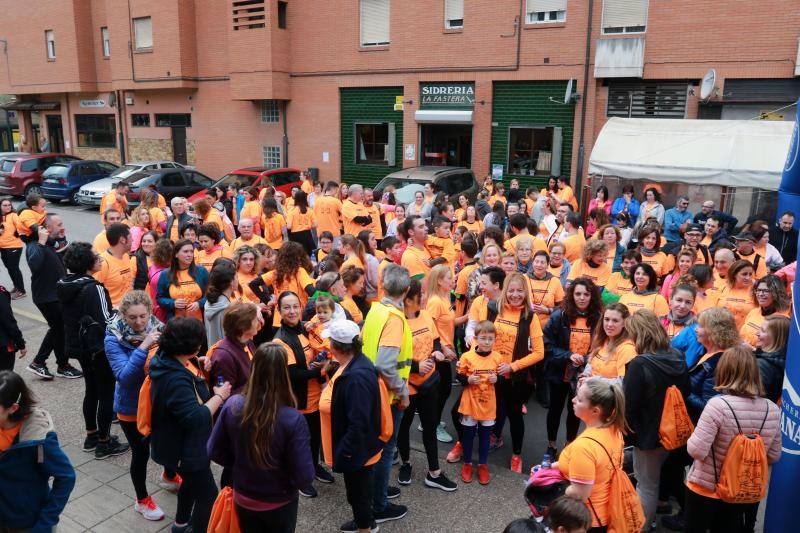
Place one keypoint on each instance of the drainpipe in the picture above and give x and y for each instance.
(285, 134)
(581, 142)
(121, 120)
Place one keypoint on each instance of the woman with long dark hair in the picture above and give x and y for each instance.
(220, 292)
(144, 260)
(292, 273)
(11, 247)
(301, 223)
(181, 289)
(262, 437)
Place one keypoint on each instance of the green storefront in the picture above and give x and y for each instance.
(371, 133)
(531, 131)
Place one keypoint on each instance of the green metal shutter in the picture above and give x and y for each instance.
(368, 104)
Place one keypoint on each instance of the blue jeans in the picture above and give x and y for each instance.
(382, 469)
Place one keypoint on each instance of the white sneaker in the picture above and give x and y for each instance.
(148, 509)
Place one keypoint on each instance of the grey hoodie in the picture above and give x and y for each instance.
(213, 319)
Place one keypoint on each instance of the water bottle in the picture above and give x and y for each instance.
(220, 381)
(546, 461)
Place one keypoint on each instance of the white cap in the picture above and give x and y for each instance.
(343, 331)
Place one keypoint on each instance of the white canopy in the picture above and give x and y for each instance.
(733, 153)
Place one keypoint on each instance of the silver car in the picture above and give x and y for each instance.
(92, 193)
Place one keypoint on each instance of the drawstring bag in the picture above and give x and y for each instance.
(625, 513)
(223, 515)
(387, 423)
(676, 427)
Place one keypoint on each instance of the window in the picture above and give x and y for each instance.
(453, 14)
(270, 112)
(282, 14)
(172, 179)
(198, 179)
(249, 14)
(283, 178)
(375, 144)
(143, 30)
(29, 166)
(374, 22)
(176, 120)
(624, 16)
(107, 168)
(534, 150)
(106, 42)
(272, 156)
(454, 184)
(96, 131)
(140, 120)
(50, 42)
(647, 100)
(544, 11)
(88, 169)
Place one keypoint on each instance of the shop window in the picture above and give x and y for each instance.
(96, 131)
(453, 14)
(50, 42)
(647, 100)
(143, 33)
(534, 150)
(106, 42)
(270, 112)
(174, 120)
(272, 156)
(624, 16)
(375, 144)
(284, 178)
(140, 120)
(249, 14)
(282, 14)
(374, 22)
(545, 11)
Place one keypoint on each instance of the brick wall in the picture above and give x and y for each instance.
(103, 154)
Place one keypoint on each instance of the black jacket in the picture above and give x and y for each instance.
(181, 424)
(647, 378)
(355, 415)
(299, 373)
(771, 366)
(142, 277)
(785, 242)
(183, 218)
(10, 335)
(47, 268)
(556, 346)
(81, 295)
(728, 222)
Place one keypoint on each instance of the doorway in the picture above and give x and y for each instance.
(55, 133)
(446, 145)
(179, 145)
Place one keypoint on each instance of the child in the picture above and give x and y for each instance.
(324, 307)
(477, 371)
(393, 252)
(325, 247)
(568, 515)
(440, 244)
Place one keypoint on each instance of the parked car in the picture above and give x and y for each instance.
(63, 180)
(22, 175)
(454, 181)
(169, 182)
(92, 193)
(283, 179)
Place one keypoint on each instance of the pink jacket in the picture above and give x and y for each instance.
(717, 427)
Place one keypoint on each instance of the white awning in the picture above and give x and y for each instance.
(439, 116)
(733, 153)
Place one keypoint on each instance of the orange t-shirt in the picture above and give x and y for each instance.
(761, 268)
(273, 230)
(538, 243)
(253, 211)
(353, 260)
(701, 303)
(739, 302)
(157, 216)
(662, 263)
(238, 242)
(612, 365)
(507, 325)
(413, 259)
(318, 344)
(314, 387)
(584, 461)
(753, 322)
(245, 292)
(297, 221)
(11, 231)
(473, 227)
(328, 213)
(374, 211)
(573, 246)
(307, 186)
(297, 284)
(7, 437)
(28, 218)
(479, 309)
(206, 259)
(478, 401)
(496, 198)
(443, 317)
(652, 301)
(186, 288)
(618, 284)
(117, 275)
(351, 210)
(214, 217)
(462, 281)
(547, 292)
(580, 336)
(350, 306)
(110, 201)
(599, 275)
(100, 243)
(423, 335)
(442, 247)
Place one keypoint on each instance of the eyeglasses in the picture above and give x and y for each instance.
(762, 291)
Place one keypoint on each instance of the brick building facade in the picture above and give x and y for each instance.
(359, 88)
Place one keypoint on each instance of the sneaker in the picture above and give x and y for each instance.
(90, 442)
(148, 509)
(675, 522)
(483, 474)
(18, 295)
(186, 528)
(170, 484)
(351, 527)
(392, 492)
(322, 475)
(69, 372)
(440, 482)
(40, 370)
(109, 448)
(404, 475)
(442, 435)
(495, 443)
(309, 492)
(392, 512)
(454, 455)
(396, 457)
(553, 453)
(466, 473)
(516, 464)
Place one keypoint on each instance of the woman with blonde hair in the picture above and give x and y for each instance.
(140, 224)
(611, 349)
(686, 259)
(353, 278)
(592, 264)
(491, 255)
(353, 251)
(246, 258)
(738, 296)
(771, 354)
(149, 201)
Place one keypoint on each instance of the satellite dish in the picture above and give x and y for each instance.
(707, 86)
(568, 93)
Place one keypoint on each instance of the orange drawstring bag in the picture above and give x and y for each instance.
(223, 514)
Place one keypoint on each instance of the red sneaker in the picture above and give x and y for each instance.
(466, 473)
(170, 484)
(483, 474)
(456, 453)
(516, 464)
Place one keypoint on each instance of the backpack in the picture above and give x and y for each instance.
(676, 427)
(223, 514)
(144, 407)
(745, 471)
(625, 513)
(387, 422)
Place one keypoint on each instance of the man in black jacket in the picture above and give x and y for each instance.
(726, 221)
(47, 267)
(784, 238)
(178, 205)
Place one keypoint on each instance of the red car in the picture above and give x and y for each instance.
(22, 175)
(283, 179)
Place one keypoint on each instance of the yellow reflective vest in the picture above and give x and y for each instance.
(371, 335)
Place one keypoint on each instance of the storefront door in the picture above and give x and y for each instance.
(55, 133)
(446, 145)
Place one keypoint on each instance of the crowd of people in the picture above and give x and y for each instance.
(290, 338)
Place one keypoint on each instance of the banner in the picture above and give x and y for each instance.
(783, 498)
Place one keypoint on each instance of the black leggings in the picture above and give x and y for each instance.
(140, 454)
(196, 498)
(280, 520)
(512, 394)
(10, 257)
(98, 401)
(456, 416)
(703, 514)
(53, 340)
(7, 359)
(304, 238)
(445, 370)
(561, 393)
(426, 404)
(358, 486)
(312, 419)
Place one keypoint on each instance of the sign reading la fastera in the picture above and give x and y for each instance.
(448, 94)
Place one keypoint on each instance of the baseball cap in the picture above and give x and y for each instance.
(694, 228)
(745, 236)
(343, 331)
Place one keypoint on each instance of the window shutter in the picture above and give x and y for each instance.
(558, 136)
(453, 9)
(624, 13)
(535, 6)
(143, 28)
(375, 22)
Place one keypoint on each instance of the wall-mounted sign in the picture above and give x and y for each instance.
(398, 103)
(410, 152)
(447, 95)
(497, 172)
(93, 103)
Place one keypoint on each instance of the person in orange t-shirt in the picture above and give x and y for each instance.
(573, 243)
(252, 209)
(440, 244)
(680, 314)
(117, 198)
(211, 248)
(35, 214)
(737, 297)
(645, 293)
(355, 216)
(328, 211)
(650, 248)
(118, 268)
(353, 279)
(416, 258)
(770, 295)
(291, 273)
(611, 349)
(11, 247)
(181, 288)
(300, 222)
(246, 258)
(546, 290)
(274, 224)
(592, 264)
